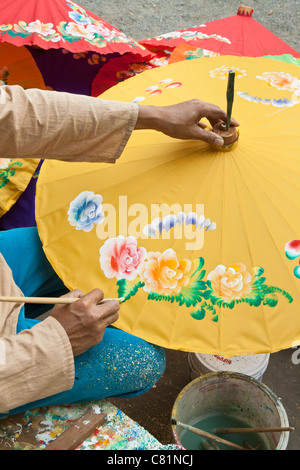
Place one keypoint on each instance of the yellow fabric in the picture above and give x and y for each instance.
(17, 68)
(251, 193)
(15, 175)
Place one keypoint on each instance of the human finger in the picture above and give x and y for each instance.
(210, 137)
(94, 297)
(108, 308)
(74, 293)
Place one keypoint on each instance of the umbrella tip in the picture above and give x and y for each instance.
(245, 11)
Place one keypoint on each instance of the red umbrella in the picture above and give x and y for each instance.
(69, 43)
(61, 24)
(235, 35)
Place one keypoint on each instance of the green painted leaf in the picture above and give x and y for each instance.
(126, 289)
(198, 314)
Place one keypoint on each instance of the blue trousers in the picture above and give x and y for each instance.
(121, 365)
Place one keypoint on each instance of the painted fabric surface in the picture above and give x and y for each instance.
(239, 35)
(69, 44)
(41, 426)
(193, 238)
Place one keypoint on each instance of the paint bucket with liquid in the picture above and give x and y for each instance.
(253, 365)
(229, 399)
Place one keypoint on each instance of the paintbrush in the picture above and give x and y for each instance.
(230, 96)
(50, 300)
(205, 434)
(251, 430)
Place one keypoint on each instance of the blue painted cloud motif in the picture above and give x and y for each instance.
(85, 211)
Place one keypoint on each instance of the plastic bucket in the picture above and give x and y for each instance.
(237, 395)
(253, 365)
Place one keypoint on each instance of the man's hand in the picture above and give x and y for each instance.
(84, 320)
(182, 120)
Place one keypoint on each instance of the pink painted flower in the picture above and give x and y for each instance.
(120, 257)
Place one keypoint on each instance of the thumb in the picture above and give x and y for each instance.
(209, 137)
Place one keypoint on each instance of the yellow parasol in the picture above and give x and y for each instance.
(201, 243)
(17, 68)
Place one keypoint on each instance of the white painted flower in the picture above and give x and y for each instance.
(79, 30)
(45, 29)
(4, 162)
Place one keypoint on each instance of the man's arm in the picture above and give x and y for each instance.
(47, 124)
(183, 120)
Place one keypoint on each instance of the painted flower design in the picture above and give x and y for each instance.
(79, 17)
(4, 162)
(85, 211)
(280, 103)
(280, 80)
(222, 72)
(45, 29)
(79, 30)
(163, 273)
(292, 251)
(102, 30)
(230, 283)
(120, 257)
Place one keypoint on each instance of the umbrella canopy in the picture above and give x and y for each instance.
(17, 68)
(68, 42)
(195, 239)
(69, 45)
(238, 35)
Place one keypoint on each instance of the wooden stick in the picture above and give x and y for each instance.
(207, 435)
(250, 430)
(207, 446)
(214, 444)
(246, 444)
(230, 96)
(78, 431)
(48, 300)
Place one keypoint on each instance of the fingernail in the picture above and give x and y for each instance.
(218, 141)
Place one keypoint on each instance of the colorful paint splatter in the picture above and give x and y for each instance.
(41, 426)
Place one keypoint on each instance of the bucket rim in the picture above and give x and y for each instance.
(261, 367)
(284, 436)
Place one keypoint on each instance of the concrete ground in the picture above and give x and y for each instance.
(153, 409)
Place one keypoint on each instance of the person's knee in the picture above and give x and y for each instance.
(153, 366)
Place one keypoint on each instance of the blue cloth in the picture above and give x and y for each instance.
(120, 365)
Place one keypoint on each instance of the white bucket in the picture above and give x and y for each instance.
(253, 365)
(237, 395)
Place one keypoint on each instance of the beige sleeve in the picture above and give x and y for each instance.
(35, 364)
(48, 124)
